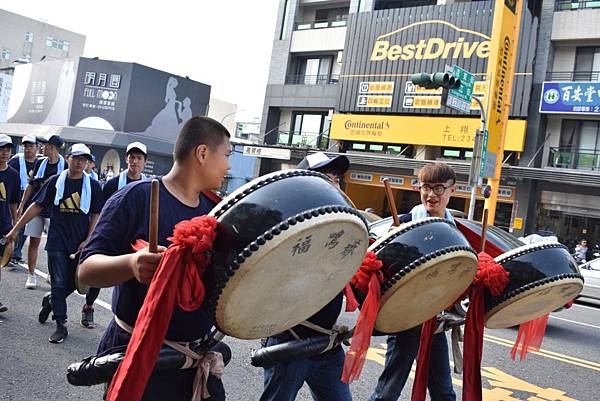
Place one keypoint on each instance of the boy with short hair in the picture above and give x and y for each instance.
(200, 163)
(53, 163)
(9, 192)
(74, 201)
(436, 185)
(23, 163)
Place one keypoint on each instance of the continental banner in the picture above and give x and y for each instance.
(387, 46)
(413, 130)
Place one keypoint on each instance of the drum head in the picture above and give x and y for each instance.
(533, 303)
(7, 254)
(426, 290)
(297, 270)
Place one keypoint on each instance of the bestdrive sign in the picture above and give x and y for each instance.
(390, 45)
(466, 44)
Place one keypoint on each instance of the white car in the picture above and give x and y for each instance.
(591, 274)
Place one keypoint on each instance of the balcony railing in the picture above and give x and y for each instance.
(320, 24)
(587, 76)
(312, 79)
(580, 159)
(563, 5)
(304, 140)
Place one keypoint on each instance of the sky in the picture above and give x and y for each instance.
(223, 43)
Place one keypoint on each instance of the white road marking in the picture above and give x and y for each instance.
(575, 322)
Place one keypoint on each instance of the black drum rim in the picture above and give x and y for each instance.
(228, 202)
(269, 235)
(407, 227)
(392, 281)
(525, 249)
(531, 286)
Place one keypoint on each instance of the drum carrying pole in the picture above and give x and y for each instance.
(153, 225)
(391, 202)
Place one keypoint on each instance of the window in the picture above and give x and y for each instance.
(308, 130)
(579, 145)
(314, 70)
(457, 153)
(65, 45)
(587, 64)
(49, 41)
(5, 55)
(29, 37)
(284, 22)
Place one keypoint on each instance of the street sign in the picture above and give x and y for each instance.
(487, 163)
(460, 99)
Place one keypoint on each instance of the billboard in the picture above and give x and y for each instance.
(5, 89)
(42, 92)
(104, 94)
(570, 98)
(387, 46)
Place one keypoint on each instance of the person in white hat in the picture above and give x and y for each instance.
(9, 192)
(136, 156)
(74, 201)
(44, 168)
(23, 163)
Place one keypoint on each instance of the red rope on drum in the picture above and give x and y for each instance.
(491, 276)
(367, 279)
(178, 278)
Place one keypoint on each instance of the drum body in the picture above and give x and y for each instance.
(427, 265)
(287, 244)
(543, 277)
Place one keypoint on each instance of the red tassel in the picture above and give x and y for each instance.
(351, 302)
(419, 390)
(491, 276)
(177, 279)
(367, 279)
(530, 337)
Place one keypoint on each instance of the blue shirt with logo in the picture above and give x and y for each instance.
(37, 183)
(68, 224)
(10, 190)
(124, 220)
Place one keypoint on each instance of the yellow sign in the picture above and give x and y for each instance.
(422, 102)
(433, 131)
(518, 223)
(500, 69)
(432, 48)
(374, 101)
(376, 87)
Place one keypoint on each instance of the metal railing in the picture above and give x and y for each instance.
(305, 140)
(591, 76)
(320, 24)
(580, 159)
(312, 79)
(564, 5)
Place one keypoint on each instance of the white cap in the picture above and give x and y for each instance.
(80, 149)
(137, 145)
(29, 139)
(5, 140)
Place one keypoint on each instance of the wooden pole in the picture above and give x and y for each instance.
(484, 224)
(153, 226)
(391, 202)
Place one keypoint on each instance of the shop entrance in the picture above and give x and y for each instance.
(569, 228)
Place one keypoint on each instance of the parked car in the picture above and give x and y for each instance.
(591, 275)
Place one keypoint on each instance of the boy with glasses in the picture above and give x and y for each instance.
(436, 185)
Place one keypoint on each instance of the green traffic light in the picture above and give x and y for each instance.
(435, 80)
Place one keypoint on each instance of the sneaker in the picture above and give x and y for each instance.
(3, 308)
(59, 335)
(31, 282)
(87, 317)
(46, 309)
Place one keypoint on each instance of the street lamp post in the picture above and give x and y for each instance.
(476, 160)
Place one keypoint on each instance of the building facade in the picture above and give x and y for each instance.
(354, 96)
(28, 40)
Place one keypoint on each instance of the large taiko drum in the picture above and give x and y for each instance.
(543, 277)
(287, 244)
(427, 265)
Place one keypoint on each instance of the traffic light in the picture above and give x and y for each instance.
(435, 80)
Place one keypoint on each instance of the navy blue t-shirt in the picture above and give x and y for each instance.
(111, 186)
(9, 194)
(37, 183)
(125, 219)
(14, 163)
(69, 226)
